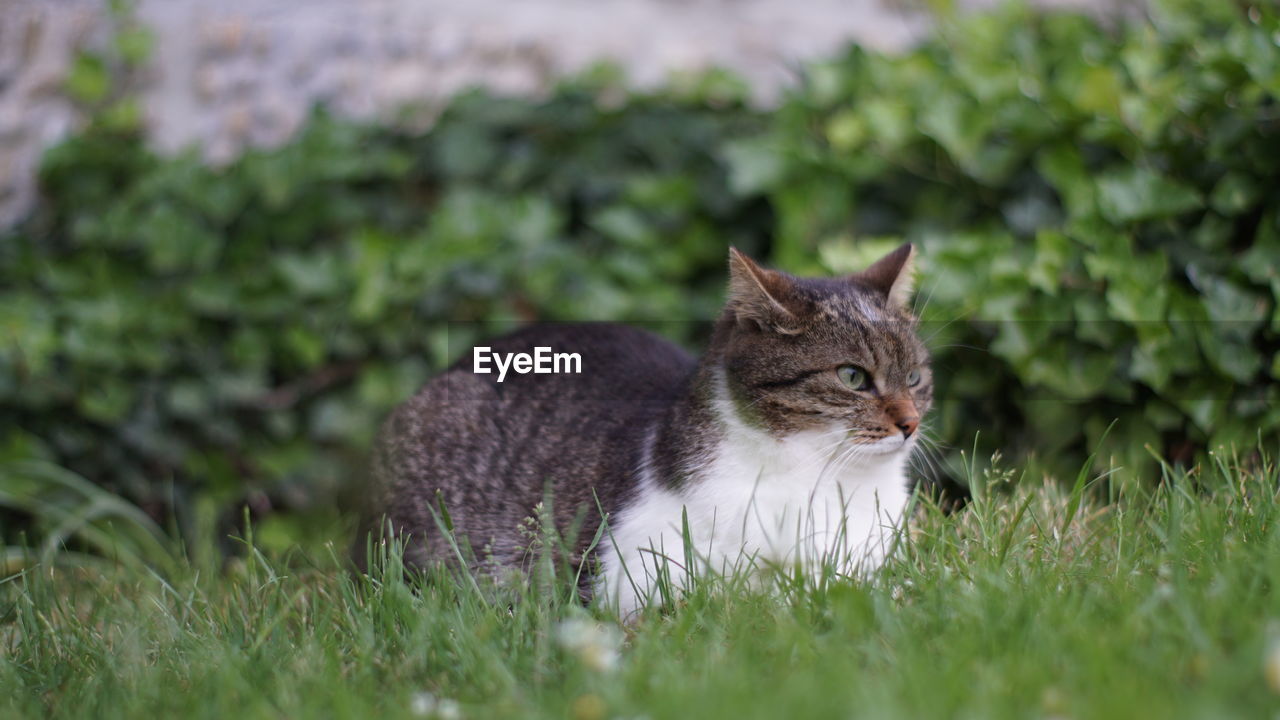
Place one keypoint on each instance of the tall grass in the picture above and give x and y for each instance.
(1035, 601)
(74, 521)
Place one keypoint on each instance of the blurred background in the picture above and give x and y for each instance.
(234, 234)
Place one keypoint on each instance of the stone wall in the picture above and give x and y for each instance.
(226, 74)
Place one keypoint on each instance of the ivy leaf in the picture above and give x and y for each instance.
(1234, 308)
(754, 165)
(1134, 194)
(1234, 193)
(88, 82)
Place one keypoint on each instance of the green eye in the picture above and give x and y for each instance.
(914, 378)
(854, 377)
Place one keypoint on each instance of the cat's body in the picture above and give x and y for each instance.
(498, 447)
(786, 443)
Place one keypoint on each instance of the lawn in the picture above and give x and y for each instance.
(1034, 601)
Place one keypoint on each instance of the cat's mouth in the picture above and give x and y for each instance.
(884, 445)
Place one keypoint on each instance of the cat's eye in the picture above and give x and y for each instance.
(854, 377)
(913, 379)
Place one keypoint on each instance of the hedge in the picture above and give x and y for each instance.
(1097, 209)
(1094, 204)
(181, 333)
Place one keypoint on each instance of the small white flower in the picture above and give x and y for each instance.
(1271, 662)
(422, 704)
(449, 710)
(595, 644)
(425, 704)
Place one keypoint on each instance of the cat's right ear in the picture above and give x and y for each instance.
(760, 295)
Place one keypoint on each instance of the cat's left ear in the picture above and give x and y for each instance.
(761, 296)
(892, 276)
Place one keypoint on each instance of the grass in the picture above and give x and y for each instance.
(1032, 602)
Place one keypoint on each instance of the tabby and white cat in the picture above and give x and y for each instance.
(787, 442)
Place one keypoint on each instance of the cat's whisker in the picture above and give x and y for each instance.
(842, 459)
(832, 438)
(917, 308)
(852, 453)
(931, 444)
(925, 463)
(930, 453)
(944, 326)
(829, 454)
(927, 436)
(833, 460)
(962, 346)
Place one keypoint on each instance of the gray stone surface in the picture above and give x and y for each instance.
(227, 74)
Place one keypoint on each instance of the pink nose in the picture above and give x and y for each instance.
(907, 426)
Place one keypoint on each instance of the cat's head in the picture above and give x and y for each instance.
(827, 353)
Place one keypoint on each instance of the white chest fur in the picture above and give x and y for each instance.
(759, 502)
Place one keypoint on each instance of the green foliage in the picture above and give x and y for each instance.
(1100, 249)
(178, 332)
(104, 81)
(1093, 211)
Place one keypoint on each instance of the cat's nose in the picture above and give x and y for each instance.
(908, 426)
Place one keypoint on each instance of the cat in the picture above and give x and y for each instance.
(786, 443)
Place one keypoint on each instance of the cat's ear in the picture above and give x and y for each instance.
(760, 295)
(892, 276)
